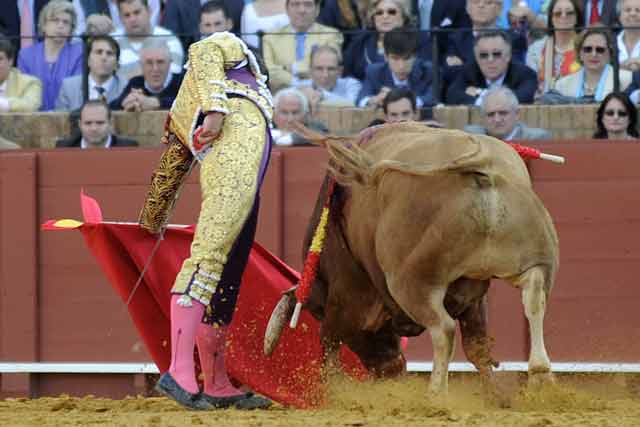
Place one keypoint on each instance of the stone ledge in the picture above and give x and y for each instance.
(41, 130)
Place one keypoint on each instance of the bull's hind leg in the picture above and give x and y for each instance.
(424, 303)
(534, 299)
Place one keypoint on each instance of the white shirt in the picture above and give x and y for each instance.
(154, 10)
(623, 54)
(490, 84)
(4, 102)
(93, 93)
(84, 144)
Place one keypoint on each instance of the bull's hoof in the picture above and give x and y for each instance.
(539, 378)
(279, 318)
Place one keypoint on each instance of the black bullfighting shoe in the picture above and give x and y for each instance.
(247, 401)
(170, 388)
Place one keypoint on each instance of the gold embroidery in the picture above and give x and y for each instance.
(229, 182)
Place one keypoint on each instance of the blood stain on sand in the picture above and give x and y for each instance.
(571, 401)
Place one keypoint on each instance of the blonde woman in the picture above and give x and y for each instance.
(54, 58)
(594, 81)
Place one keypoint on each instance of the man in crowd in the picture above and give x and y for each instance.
(287, 55)
(291, 106)
(400, 106)
(401, 69)
(18, 91)
(156, 88)
(96, 129)
(136, 17)
(104, 83)
(493, 66)
(214, 18)
(501, 115)
(326, 87)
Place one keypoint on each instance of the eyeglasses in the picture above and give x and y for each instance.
(390, 12)
(56, 20)
(499, 113)
(599, 50)
(560, 13)
(487, 56)
(619, 113)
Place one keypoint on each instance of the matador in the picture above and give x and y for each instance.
(221, 118)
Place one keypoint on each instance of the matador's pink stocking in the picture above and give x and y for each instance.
(211, 346)
(184, 326)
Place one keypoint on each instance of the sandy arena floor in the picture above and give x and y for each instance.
(574, 401)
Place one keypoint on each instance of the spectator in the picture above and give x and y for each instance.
(483, 15)
(617, 118)
(96, 129)
(214, 18)
(135, 16)
(594, 80)
(287, 55)
(18, 92)
(401, 68)
(367, 47)
(326, 87)
(492, 66)
(441, 14)
(5, 144)
(19, 24)
(604, 14)
(400, 106)
(346, 16)
(156, 88)
(182, 17)
(554, 56)
(109, 9)
(291, 106)
(104, 83)
(262, 15)
(55, 58)
(628, 40)
(523, 14)
(501, 115)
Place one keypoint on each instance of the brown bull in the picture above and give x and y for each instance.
(421, 222)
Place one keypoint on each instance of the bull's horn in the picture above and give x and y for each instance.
(279, 317)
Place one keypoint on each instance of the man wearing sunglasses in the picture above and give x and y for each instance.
(501, 116)
(492, 67)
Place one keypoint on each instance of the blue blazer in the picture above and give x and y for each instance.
(522, 80)
(363, 51)
(379, 76)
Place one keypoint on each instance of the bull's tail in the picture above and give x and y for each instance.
(348, 163)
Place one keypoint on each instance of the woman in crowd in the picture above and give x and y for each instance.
(629, 38)
(553, 56)
(55, 58)
(617, 118)
(262, 15)
(366, 48)
(594, 80)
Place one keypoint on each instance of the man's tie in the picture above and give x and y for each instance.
(595, 15)
(26, 25)
(100, 91)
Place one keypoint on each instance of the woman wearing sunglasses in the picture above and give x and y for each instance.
(366, 47)
(617, 118)
(554, 56)
(594, 80)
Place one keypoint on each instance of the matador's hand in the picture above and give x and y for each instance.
(211, 128)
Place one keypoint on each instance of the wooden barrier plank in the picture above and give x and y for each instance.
(19, 300)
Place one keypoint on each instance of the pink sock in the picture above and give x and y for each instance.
(184, 324)
(211, 346)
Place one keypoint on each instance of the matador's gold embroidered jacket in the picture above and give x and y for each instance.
(205, 88)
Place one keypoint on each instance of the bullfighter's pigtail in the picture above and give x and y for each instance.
(310, 269)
